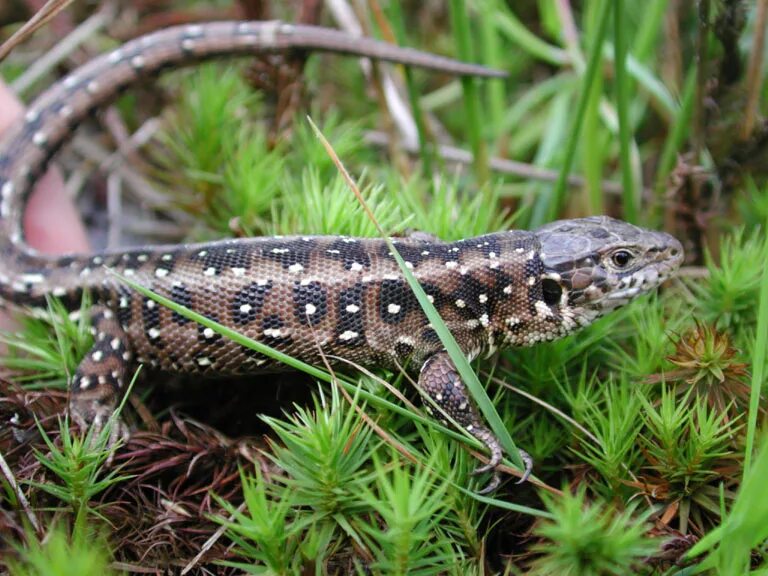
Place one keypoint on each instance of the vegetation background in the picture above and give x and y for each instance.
(647, 428)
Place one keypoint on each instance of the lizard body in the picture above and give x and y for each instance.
(344, 296)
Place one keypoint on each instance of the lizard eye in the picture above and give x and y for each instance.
(621, 258)
(551, 291)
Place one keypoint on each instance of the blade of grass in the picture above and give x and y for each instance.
(593, 65)
(651, 24)
(631, 202)
(742, 530)
(474, 120)
(754, 81)
(468, 375)
(647, 81)
(510, 26)
(366, 396)
(594, 157)
(595, 139)
(549, 150)
(677, 135)
(426, 148)
(758, 364)
(703, 8)
(491, 50)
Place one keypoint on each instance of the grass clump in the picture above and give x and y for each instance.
(335, 488)
(48, 347)
(729, 297)
(323, 453)
(264, 530)
(79, 464)
(591, 538)
(615, 422)
(58, 554)
(689, 452)
(403, 533)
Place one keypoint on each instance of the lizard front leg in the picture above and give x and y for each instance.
(441, 381)
(97, 385)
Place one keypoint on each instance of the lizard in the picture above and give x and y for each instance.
(312, 297)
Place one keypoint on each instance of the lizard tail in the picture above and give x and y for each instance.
(28, 145)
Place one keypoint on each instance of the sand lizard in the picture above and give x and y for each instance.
(344, 296)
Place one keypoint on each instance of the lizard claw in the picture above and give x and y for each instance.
(493, 465)
(492, 485)
(94, 417)
(528, 462)
(493, 462)
(496, 455)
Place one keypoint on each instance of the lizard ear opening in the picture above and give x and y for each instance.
(552, 291)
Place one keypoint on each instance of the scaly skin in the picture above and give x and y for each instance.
(344, 296)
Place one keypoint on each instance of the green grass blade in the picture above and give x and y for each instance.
(743, 529)
(524, 107)
(511, 506)
(596, 137)
(468, 375)
(426, 149)
(594, 154)
(474, 121)
(650, 83)
(631, 202)
(758, 364)
(493, 55)
(510, 26)
(678, 133)
(593, 65)
(651, 24)
(313, 371)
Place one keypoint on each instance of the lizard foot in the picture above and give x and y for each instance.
(440, 380)
(94, 416)
(495, 460)
(97, 385)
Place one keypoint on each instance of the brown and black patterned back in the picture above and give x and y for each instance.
(344, 296)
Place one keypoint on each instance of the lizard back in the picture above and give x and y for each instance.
(344, 296)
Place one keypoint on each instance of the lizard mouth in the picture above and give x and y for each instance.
(623, 295)
(641, 281)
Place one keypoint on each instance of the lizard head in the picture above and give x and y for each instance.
(594, 265)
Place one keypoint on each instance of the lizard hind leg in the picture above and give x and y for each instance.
(441, 381)
(99, 381)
